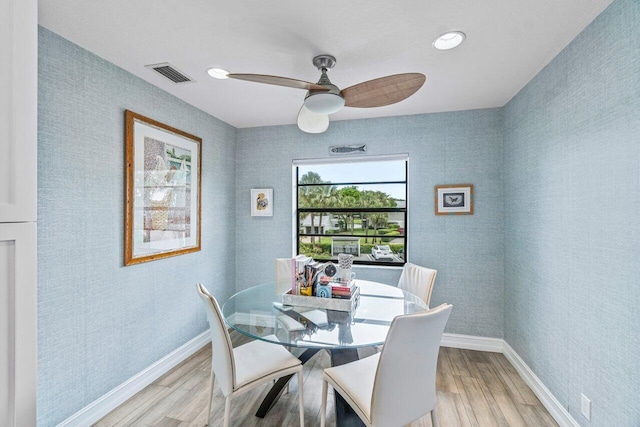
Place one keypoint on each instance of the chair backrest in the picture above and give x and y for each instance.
(418, 280)
(222, 362)
(283, 274)
(405, 382)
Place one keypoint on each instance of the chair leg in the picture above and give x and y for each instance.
(227, 410)
(323, 410)
(300, 398)
(434, 418)
(213, 378)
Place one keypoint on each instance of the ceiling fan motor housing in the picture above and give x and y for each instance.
(324, 102)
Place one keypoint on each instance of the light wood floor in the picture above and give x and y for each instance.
(474, 389)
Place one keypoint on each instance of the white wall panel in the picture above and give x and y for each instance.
(18, 110)
(7, 288)
(18, 332)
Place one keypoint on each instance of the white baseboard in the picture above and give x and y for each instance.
(497, 345)
(470, 342)
(555, 408)
(116, 397)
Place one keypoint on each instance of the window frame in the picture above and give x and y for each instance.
(297, 212)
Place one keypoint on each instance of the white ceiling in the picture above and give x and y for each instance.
(508, 42)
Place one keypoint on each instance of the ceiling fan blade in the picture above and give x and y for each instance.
(311, 122)
(383, 91)
(278, 81)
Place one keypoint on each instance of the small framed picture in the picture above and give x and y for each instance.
(262, 202)
(454, 199)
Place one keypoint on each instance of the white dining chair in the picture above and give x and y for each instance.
(398, 385)
(418, 281)
(242, 368)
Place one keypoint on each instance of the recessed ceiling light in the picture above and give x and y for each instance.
(218, 73)
(449, 40)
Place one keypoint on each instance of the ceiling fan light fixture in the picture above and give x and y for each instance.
(324, 102)
(449, 40)
(218, 73)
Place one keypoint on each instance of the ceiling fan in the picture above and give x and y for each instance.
(324, 98)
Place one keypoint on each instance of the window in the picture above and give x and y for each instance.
(355, 207)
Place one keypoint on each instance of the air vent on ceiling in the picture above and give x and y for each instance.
(170, 72)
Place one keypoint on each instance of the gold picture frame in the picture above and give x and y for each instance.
(163, 190)
(454, 199)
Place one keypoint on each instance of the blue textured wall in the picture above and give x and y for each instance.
(448, 148)
(100, 323)
(550, 259)
(572, 235)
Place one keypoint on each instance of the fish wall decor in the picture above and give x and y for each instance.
(347, 149)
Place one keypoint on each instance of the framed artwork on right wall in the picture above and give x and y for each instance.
(454, 199)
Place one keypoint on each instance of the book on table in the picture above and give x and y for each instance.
(344, 292)
(298, 265)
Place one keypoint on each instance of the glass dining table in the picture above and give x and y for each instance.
(258, 312)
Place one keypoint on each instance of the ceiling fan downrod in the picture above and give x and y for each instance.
(324, 63)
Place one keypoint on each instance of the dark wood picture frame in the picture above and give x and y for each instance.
(163, 190)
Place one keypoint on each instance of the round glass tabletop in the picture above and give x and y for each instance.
(259, 313)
